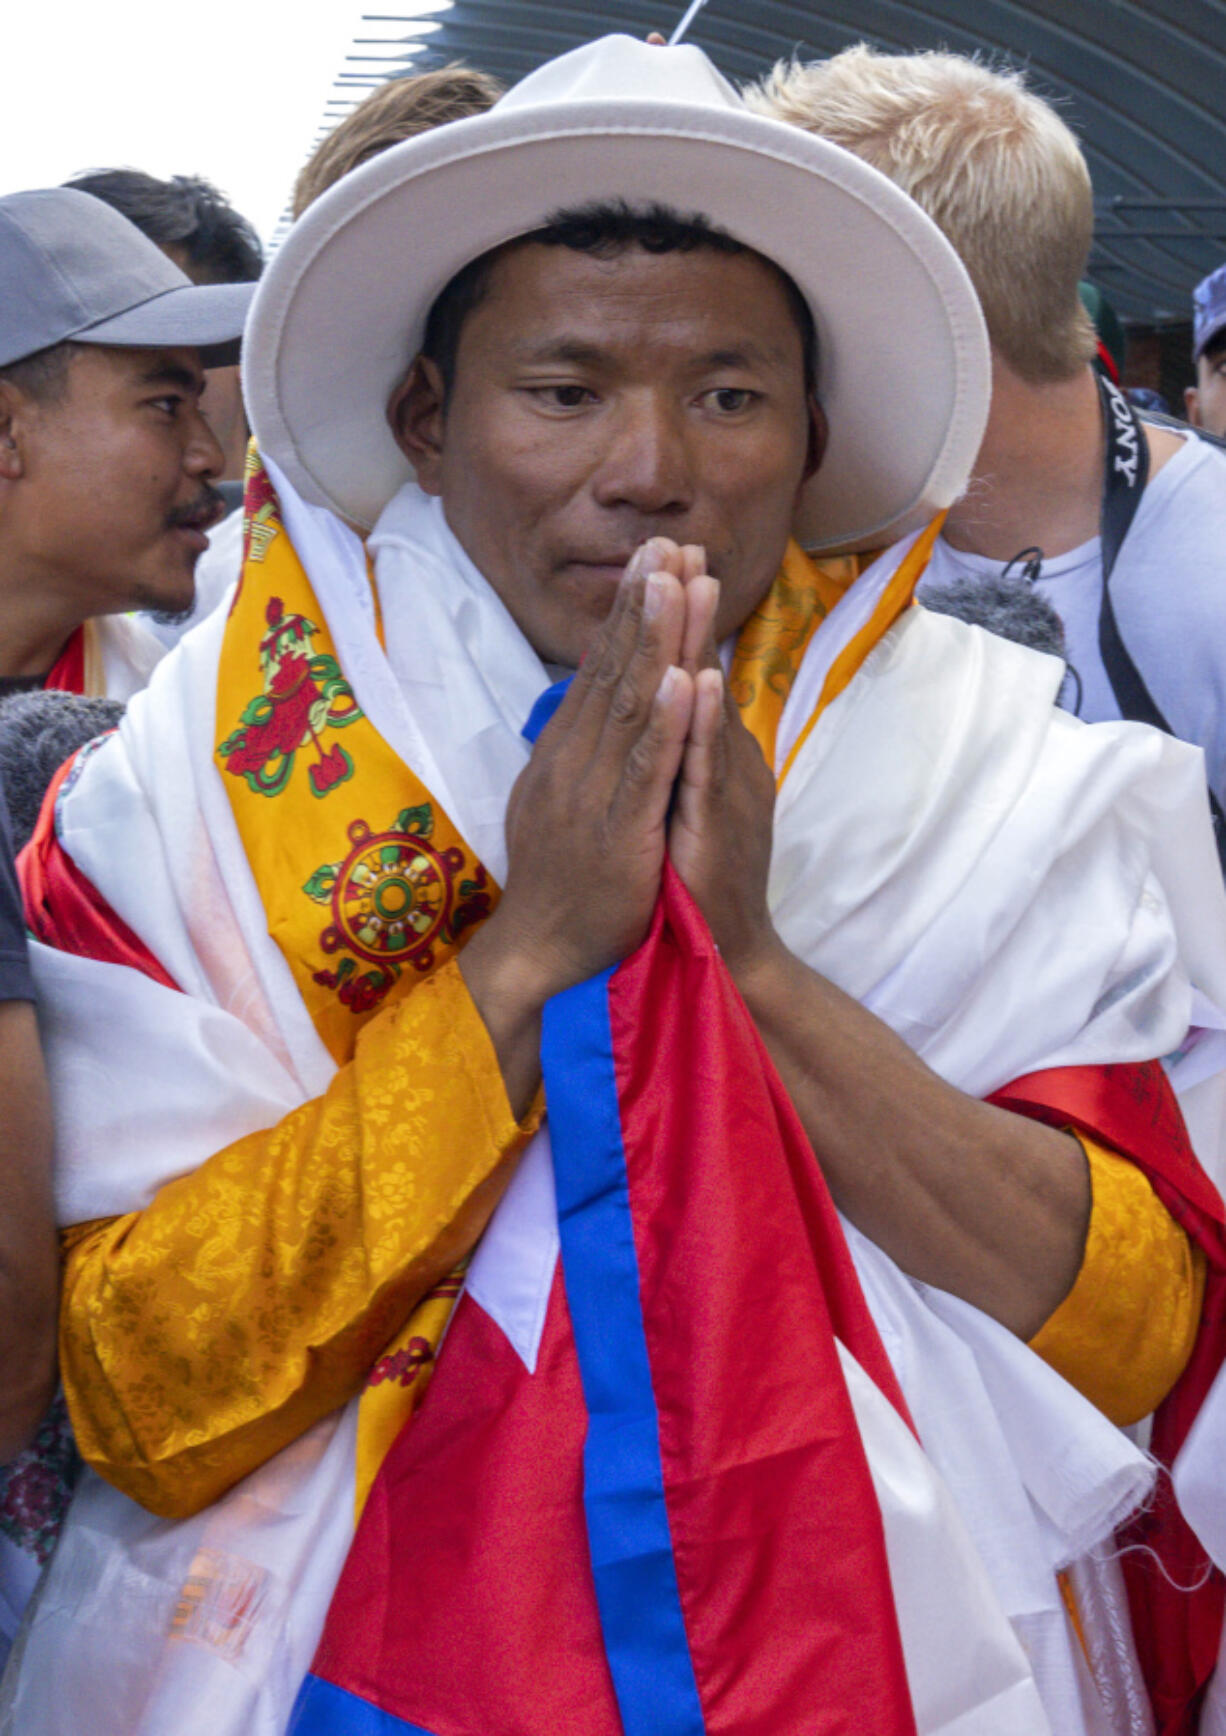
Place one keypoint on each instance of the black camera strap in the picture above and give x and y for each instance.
(1125, 473)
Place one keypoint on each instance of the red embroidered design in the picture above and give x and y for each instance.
(303, 696)
(402, 1365)
(261, 513)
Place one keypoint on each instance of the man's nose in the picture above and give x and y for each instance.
(646, 462)
(203, 456)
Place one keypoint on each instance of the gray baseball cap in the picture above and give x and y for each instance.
(72, 267)
(1208, 311)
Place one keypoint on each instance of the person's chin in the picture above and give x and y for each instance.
(568, 642)
(170, 601)
(172, 617)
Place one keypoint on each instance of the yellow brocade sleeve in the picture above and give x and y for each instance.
(1124, 1333)
(250, 1298)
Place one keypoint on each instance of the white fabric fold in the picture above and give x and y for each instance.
(193, 1627)
(1199, 1473)
(972, 1389)
(511, 1273)
(942, 1592)
(1084, 1478)
(126, 654)
(216, 1081)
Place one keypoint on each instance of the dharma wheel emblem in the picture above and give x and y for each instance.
(391, 897)
(395, 900)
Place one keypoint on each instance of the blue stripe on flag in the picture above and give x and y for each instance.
(544, 708)
(627, 1522)
(322, 1709)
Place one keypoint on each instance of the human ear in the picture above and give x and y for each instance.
(1191, 403)
(416, 415)
(12, 465)
(819, 433)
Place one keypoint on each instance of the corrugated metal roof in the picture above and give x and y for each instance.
(1143, 85)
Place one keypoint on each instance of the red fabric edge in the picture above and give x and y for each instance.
(68, 671)
(1133, 1109)
(1108, 361)
(64, 910)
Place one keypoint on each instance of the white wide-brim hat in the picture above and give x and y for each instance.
(904, 376)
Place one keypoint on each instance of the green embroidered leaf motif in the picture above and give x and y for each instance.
(335, 692)
(258, 710)
(419, 821)
(320, 885)
(272, 776)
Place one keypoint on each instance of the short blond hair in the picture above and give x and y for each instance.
(991, 163)
(399, 109)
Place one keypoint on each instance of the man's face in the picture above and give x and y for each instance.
(223, 392)
(599, 402)
(1206, 401)
(114, 495)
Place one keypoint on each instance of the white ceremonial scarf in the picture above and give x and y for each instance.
(120, 654)
(992, 878)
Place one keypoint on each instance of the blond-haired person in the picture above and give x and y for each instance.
(1001, 173)
(397, 110)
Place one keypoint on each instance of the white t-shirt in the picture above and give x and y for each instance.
(1169, 593)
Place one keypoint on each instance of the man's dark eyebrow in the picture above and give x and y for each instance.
(171, 374)
(579, 353)
(572, 350)
(751, 356)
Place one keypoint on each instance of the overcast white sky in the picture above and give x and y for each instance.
(232, 89)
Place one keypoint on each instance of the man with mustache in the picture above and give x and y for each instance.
(106, 462)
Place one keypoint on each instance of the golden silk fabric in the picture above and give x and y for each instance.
(257, 1293)
(1124, 1333)
(773, 641)
(366, 883)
